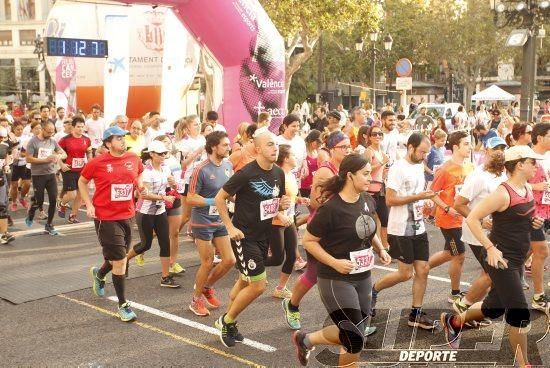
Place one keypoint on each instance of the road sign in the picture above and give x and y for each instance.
(403, 67)
(364, 95)
(403, 83)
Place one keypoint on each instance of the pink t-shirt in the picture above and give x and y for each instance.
(541, 210)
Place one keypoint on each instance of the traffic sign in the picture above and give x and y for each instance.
(403, 83)
(404, 67)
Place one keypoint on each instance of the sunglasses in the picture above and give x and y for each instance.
(161, 154)
(377, 134)
(346, 147)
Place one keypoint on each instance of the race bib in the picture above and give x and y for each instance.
(269, 208)
(44, 152)
(180, 187)
(418, 210)
(435, 168)
(78, 163)
(97, 142)
(546, 197)
(121, 192)
(213, 211)
(231, 206)
(363, 260)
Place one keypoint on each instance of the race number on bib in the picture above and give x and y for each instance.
(121, 192)
(78, 163)
(363, 260)
(546, 197)
(213, 210)
(44, 152)
(269, 208)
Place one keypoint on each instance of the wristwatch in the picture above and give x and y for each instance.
(447, 208)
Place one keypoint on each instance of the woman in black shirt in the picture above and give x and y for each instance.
(340, 236)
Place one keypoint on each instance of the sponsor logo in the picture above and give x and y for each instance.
(129, 166)
(251, 265)
(151, 33)
(273, 111)
(266, 83)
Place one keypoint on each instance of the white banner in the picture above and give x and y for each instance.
(117, 70)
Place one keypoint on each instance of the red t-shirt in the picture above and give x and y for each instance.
(76, 149)
(115, 180)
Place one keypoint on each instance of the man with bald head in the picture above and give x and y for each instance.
(135, 141)
(259, 190)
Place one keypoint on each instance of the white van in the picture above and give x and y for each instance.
(448, 110)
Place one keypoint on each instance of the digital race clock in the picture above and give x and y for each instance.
(76, 47)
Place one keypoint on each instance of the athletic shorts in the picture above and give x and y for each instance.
(20, 172)
(481, 254)
(70, 180)
(185, 190)
(452, 241)
(540, 234)
(208, 233)
(114, 237)
(175, 210)
(251, 256)
(408, 249)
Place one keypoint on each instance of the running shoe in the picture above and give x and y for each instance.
(28, 221)
(211, 299)
(7, 237)
(50, 229)
(302, 353)
(61, 209)
(451, 334)
(24, 203)
(125, 313)
(369, 330)
(140, 260)
(3, 241)
(98, 285)
(542, 303)
(168, 282)
(300, 264)
(42, 215)
(13, 206)
(227, 330)
(421, 320)
(73, 219)
(217, 259)
(176, 268)
(454, 297)
(292, 318)
(197, 306)
(283, 293)
(460, 307)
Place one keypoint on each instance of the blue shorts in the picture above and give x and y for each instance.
(208, 233)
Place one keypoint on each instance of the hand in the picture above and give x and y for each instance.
(235, 234)
(285, 220)
(65, 167)
(52, 158)
(169, 199)
(537, 222)
(303, 200)
(494, 257)
(90, 211)
(343, 266)
(541, 187)
(487, 224)
(386, 159)
(428, 194)
(171, 181)
(284, 203)
(385, 258)
(304, 172)
(141, 190)
(453, 212)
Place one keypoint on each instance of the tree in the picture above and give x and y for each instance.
(301, 22)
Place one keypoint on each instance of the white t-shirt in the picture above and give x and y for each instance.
(27, 130)
(476, 187)
(298, 147)
(219, 128)
(390, 143)
(158, 181)
(95, 129)
(405, 179)
(186, 146)
(59, 125)
(57, 136)
(151, 134)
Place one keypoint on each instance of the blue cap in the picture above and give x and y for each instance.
(495, 141)
(114, 131)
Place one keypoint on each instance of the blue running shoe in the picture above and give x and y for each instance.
(28, 221)
(452, 335)
(125, 313)
(98, 285)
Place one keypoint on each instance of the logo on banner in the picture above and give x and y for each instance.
(259, 107)
(266, 83)
(151, 33)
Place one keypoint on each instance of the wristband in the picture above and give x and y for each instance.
(210, 201)
(489, 247)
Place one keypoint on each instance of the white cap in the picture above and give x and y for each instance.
(519, 152)
(157, 147)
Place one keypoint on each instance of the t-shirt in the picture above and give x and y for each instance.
(20, 149)
(298, 148)
(490, 134)
(186, 146)
(157, 181)
(343, 228)
(42, 148)
(57, 136)
(435, 159)
(542, 199)
(206, 181)
(291, 190)
(478, 185)
(406, 179)
(449, 179)
(135, 145)
(423, 121)
(115, 179)
(389, 144)
(175, 168)
(219, 128)
(151, 134)
(95, 129)
(257, 198)
(76, 149)
(5, 150)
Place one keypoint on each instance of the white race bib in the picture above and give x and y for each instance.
(213, 210)
(363, 260)
(78, 163)
(546, 197)
(269, 208)
(418, 210)
(44, 152)
(180, 187)
(121, 192)
(231, 206)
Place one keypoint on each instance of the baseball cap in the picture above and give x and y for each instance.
(157, 147)
(3, 132)
(335, 114)
(519, 152)
(495, 141)
(113, 131)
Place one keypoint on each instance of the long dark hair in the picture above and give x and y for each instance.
(351, 164)
(364, 130)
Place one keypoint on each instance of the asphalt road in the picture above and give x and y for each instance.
(76, 329)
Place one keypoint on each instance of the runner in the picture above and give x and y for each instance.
(341, 236)
(79, 150)
(448, 180)
(95, 126)
(247, 154)
(208, 229)
(21, 174)
(5, 158)
(116, 174)
(512, 207)
(407, 235)
(43, 153)
(259, 188)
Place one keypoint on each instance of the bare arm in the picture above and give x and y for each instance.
(85, 196)
(392, 199)
(311, 244)
(234, 233)
(320, 177)
(461, 206)
(496, 201)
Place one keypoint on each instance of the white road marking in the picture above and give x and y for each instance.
(193, 324)
(59, 228)
(437, 278)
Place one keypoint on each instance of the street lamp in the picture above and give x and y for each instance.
(529, 15)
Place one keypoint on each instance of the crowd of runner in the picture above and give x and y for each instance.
(367, 182)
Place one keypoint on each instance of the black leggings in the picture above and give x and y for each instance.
(146, 225)
(40, 183)
(283, 244)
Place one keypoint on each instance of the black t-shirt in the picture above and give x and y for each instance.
(343, 228)
(424, 121)
(255, 189)
(321, 124)
(494, 124)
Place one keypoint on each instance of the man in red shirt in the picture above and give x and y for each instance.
(116, 174)
(79, 150)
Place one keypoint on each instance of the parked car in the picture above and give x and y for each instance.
(448, 110)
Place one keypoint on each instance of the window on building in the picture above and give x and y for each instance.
(5, 9)
(7, 77)
(5, 38)
(29, 75)
(26, 10)
(26, 37)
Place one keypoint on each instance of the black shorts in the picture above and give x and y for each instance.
(540, 234)
(176, 208)
(408, 249)
(114, 237)
(452, 241)
(20, 172)
(70, 180)
(481, 254)
(305, 192)
(251, 256)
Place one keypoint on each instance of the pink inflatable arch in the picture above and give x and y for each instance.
(241, 36)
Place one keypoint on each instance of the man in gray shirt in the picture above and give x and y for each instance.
(43, 153)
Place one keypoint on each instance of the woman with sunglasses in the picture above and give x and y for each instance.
(342, 237)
